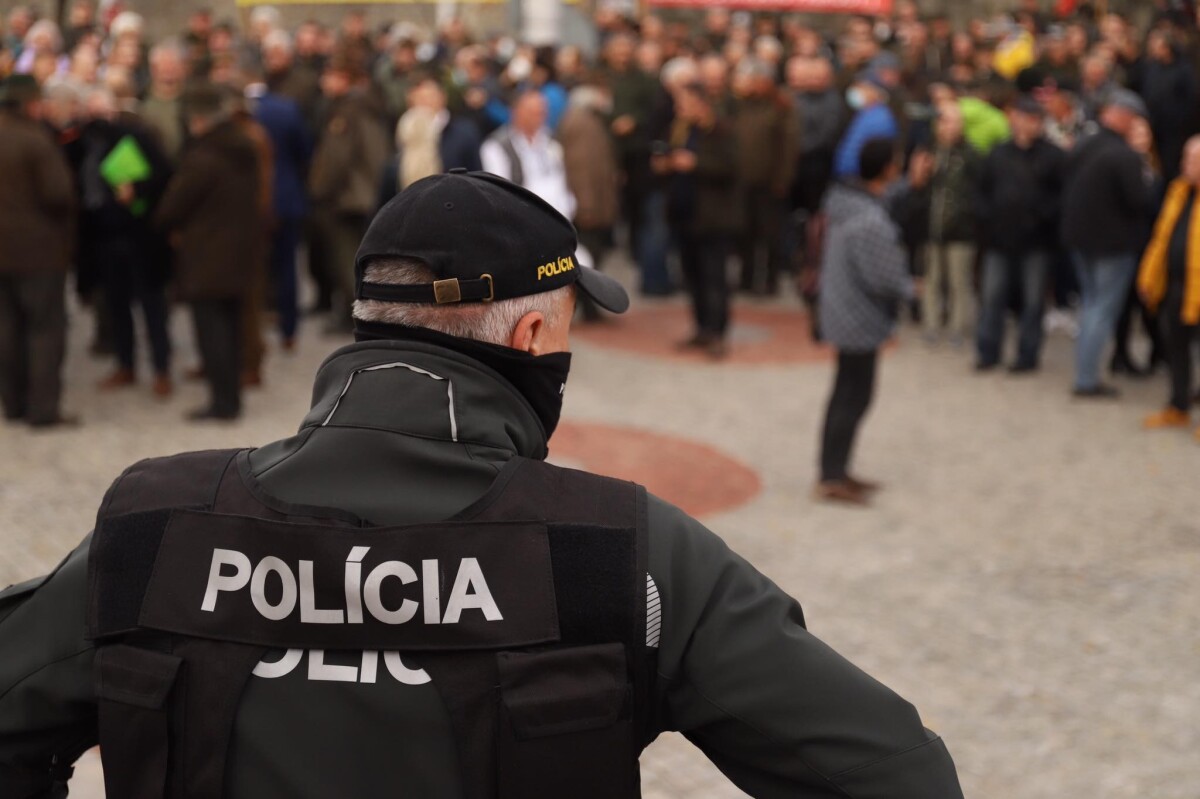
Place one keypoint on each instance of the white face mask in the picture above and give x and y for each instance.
(856, 98)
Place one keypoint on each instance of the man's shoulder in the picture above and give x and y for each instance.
(170, 480)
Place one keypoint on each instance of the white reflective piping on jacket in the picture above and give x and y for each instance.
(411, 368)
(653, 613)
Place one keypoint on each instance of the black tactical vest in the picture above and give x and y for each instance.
(527, 610)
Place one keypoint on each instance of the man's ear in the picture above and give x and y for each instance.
(527, 335)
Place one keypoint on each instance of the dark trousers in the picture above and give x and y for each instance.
(219, 339)
(1178, 338)
(1136, 309)
(316, 244)
(853, 390)
(599, 243)
(283, 274)
(1002, 275)
(33, 327)
(341, 235)
(703, 258)
(760, 245)
(128, 280)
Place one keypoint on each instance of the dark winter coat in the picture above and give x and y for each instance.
(1020, 197)
(211, 210)
(36, 199)
(1107, 197)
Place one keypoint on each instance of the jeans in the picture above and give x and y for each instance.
(1002, 275)
(653, 245)
(283, 273)
(704, 260)
(853, 390)
(1104, 283)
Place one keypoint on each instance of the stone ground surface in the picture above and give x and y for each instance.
(1028, 580)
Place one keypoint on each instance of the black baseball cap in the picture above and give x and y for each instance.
(484, 238)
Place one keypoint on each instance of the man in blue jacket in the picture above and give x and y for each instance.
(873, 119)
(292, 147)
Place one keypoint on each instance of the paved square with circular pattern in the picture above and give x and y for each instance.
(1028, 579)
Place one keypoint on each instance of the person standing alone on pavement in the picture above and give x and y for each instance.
(865, 278)
(211, 210)
(1169, 282)
(35, 250)
(1107, 194)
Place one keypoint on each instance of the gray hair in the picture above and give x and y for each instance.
(168, 48)
(492, 322)
(678, 70)
(268, 15)
(277, 39)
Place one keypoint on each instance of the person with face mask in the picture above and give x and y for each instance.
(873, 119)
(406, 593)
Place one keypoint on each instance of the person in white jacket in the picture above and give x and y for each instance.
(525, 152)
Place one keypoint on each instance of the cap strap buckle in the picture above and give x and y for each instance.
(491, 287)
(447, 291)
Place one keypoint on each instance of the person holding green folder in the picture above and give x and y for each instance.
(122, 174)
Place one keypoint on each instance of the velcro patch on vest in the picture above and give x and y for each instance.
(451, 586)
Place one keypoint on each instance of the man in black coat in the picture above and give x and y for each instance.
(1018, 206)
(1105, 203)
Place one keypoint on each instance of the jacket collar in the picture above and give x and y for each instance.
(417, 388)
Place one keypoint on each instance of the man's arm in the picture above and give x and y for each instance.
(47, 708)
(778, 711)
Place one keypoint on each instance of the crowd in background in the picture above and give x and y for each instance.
(1034, 155)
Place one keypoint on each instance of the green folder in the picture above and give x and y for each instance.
(125, 163)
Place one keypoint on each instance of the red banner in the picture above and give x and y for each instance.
(875, 8)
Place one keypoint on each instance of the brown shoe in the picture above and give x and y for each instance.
(866, 486)
(121, 378)
(252, 379)
(289, 345)
(1166, 419)
(194, 374)
(841, 491)
(716, 349)
(163, 387)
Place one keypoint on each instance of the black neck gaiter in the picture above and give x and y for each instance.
(540, 379)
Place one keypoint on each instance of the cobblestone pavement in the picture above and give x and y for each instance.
(1028, 580)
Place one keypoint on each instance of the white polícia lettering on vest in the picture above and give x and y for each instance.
(469, 592)
(318, 670)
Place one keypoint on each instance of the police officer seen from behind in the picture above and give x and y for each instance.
(404, 598)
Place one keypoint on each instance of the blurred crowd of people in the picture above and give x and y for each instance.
(1033, 153)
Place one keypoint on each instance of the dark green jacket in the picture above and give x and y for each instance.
(781, 714)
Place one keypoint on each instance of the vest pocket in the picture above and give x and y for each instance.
(565, 724)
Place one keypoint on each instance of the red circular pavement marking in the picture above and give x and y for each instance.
(757, 335)
(697, 478)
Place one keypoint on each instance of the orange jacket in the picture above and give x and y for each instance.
(1152, 276)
